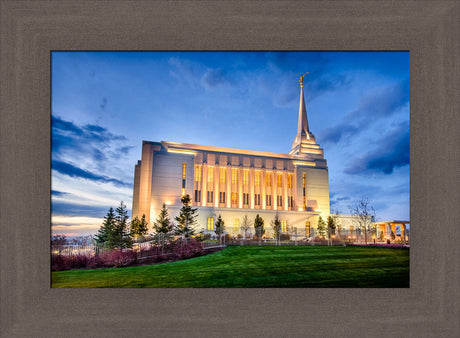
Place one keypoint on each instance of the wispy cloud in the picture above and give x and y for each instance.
(73, 171)
(375, 105)
(382, 102)
(58, 193)
(69, 209)
(89, 147)
(337, 133)
(321, 79)
(393, 152)
(215, 77)
(89, 139)
(185, 70)
(75, 225)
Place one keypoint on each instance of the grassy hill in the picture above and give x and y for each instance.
(257, 266)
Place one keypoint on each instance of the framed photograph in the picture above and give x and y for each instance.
(164, 155)
(32, 31)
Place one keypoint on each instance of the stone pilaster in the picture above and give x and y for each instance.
(240, 187)
(204, 190)
(251, 188)
(216, 185)
(228, 183)
(263, 184)
(285, 190)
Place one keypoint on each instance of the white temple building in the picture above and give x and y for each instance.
(234, 182)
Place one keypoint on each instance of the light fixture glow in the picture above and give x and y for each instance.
(180, 151)
(311, 164)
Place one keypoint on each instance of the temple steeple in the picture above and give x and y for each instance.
(302, 127)
(304, 142)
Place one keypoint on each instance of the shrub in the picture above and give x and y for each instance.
(392, 236)
(119, 258)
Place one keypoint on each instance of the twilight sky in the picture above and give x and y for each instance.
(105, 103)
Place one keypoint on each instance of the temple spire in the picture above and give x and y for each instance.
(302, 127)
(304, 142)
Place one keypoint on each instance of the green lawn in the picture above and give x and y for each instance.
(257, 266)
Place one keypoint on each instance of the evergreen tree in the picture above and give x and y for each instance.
(139, 227)
(187, 218)
(276, 226)
(163, 224)
(330, 225)
(113, 232)
(321, 227)
(119, 237)
(219, 227)
(259, 227)
(106, 228)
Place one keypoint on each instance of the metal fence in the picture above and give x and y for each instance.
(339, 238)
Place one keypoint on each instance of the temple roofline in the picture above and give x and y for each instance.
(187, 146)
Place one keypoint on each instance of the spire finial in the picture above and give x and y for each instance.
(301, 79)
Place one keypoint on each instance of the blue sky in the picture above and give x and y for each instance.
(105, 103)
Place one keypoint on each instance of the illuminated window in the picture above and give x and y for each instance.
(234, 176)
(257, 178)
(210, 174)
(269, 180)
(279, 180)
(222, 175)
(279, 200)
(210, 196)
(289, 181)
(184, 170)
(236, 224)
(303, 187)
(234, 197)
(197, 195)
(269, 200)
(198, 173)
(307, 228)
(222, 197)
(257, 199)
(245, 177)
(283, 225)
(211, 223)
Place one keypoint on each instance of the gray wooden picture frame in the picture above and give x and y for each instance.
(31, 29)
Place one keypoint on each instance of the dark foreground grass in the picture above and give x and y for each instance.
(257, 266)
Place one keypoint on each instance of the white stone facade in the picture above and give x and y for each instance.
(234, 182)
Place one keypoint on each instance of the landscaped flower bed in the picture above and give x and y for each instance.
(169, 252)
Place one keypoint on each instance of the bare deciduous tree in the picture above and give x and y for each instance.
(246, 224)
(364, 215)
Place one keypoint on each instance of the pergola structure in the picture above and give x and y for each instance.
(390, 226)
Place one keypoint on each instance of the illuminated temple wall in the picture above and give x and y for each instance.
(231, 183)
(235, 182)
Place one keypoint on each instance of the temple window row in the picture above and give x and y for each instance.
(244, 187)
